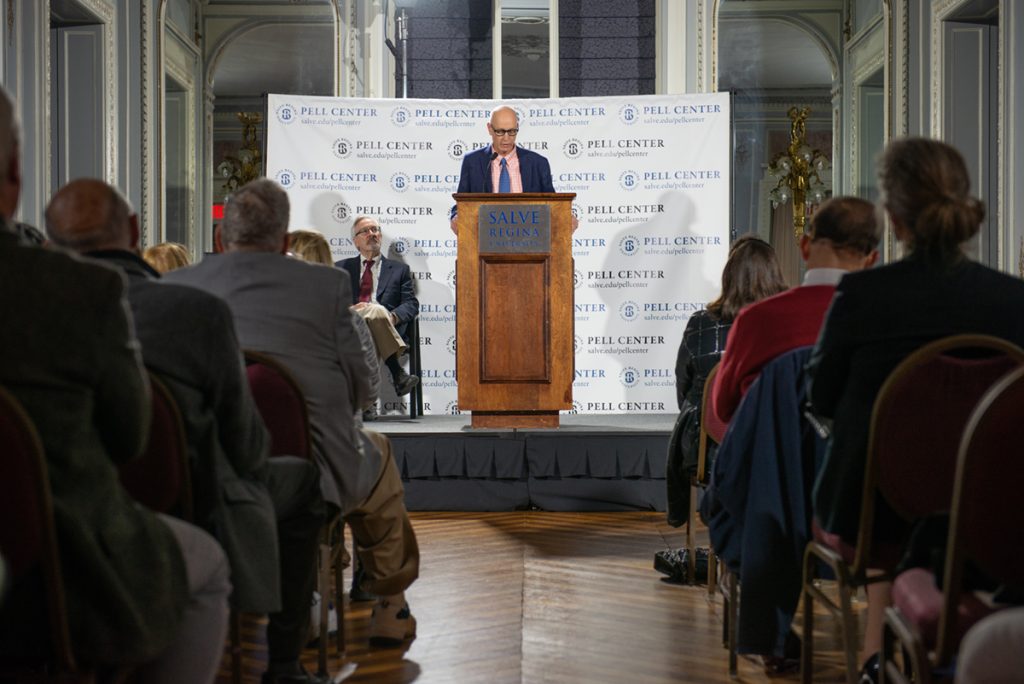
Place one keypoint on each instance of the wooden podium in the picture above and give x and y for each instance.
(514, 308)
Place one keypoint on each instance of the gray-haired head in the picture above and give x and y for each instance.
(255, 217)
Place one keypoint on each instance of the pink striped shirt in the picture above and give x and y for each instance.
(512, 161)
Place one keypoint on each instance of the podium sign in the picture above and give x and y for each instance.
(514, 308)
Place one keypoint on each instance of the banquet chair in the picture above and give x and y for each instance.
(917, 421)
(160, 478)
(282, 406)
(985, 528)
(32, 543)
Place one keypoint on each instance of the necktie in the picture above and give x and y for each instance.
(504, 181)
(366, 282)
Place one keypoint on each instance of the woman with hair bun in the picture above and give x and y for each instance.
(880, 316)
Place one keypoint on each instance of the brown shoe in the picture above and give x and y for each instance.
(392, 623)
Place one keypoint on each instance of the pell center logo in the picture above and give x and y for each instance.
(572, 148)
(577, 344)
(629, 376)
(457, 149)
(341, 212)
(285, 113)
(451, 345)
(342, 148)
(399, 246)
(452, 409)
(629, 114)
(450, 279)
(577, 279)
(629, 311)
(400, 116)
(629, 180)
(285, 178)
(400, 182)
(629, 245)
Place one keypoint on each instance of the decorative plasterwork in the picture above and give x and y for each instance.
(941, 10)
(105, 12)
(185, 76)
(146, 204)
(700, 43)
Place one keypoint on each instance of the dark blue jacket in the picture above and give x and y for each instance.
(758, 506)
(533, 168)
(394, 289)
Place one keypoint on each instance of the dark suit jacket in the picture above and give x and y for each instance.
(533, 168)
(71, 358)
(188, 339)
(394, 289)
(877, 318)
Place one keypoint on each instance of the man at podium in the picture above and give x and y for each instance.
(503, 166)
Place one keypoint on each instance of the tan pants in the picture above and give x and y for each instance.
(385, 336)
(384, 536)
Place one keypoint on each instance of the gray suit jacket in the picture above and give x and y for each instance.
(70, 357)
(188, 339)
(298, 313)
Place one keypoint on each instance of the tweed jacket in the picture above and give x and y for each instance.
(298, 313)
(70, 357)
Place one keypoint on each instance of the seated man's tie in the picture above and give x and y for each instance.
(366, 282)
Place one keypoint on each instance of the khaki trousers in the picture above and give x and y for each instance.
(385, 336)
(384, 536)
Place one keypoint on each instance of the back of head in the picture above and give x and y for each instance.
(925, 187)
(751, 273)
(167, 256)
(87, 215)
(310, 246)
(255, 217)
(847, 224)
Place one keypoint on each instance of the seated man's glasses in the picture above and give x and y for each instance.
(368, 229)
(502, 132)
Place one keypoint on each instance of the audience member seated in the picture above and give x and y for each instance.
(141, 588)
(166, 256)
(842, 237)
(382, 293)
(293, 311)
(880, 316)
(188, 339)
(751, 273)
(310, 246)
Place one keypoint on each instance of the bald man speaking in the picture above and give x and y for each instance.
(504, 166)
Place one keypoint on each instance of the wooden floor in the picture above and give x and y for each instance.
(537, 597)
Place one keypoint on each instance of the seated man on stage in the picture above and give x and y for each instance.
(503, 166)
(382, 294)
(842, 237)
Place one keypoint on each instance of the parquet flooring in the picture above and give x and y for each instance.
(537, 597)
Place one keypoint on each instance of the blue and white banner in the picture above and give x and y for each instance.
(651, 175)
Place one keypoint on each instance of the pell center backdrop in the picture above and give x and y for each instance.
(651, 175)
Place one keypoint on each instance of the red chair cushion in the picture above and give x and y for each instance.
(884, 556)
(156, 478)
(21, 534)
(916, 595)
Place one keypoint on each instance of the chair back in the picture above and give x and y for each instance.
(31, 542)
(160, 479)
(917, 422)
(416, 396)
(281, 404)
(706, 415)
(987, 517)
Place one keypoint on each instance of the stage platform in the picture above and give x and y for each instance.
(590, 463)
